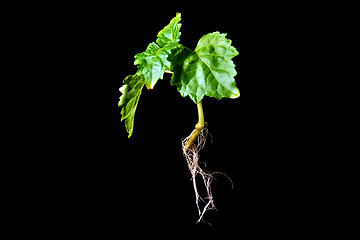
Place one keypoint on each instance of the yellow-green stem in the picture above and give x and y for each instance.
(198, 127)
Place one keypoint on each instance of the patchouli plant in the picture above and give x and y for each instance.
(206, 71)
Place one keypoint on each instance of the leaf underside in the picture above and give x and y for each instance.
(131, 91)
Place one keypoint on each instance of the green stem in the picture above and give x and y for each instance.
(198, 127)
(201, 114)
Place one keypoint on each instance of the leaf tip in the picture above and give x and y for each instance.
(150, 87)
(235, 94)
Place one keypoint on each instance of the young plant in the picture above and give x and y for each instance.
(206, 71)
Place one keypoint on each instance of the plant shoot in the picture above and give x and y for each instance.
(206, 71)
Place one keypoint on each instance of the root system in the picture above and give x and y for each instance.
(192, 157)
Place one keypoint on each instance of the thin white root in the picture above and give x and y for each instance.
(192, 158)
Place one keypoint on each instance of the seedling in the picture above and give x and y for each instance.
(206, 71)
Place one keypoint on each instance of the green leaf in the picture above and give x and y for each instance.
(170, 33)
(153, 63)
(131, 91)
(208, 70)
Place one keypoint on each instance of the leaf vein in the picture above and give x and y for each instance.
(207, 65)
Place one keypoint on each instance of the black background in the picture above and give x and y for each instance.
(95, 181)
